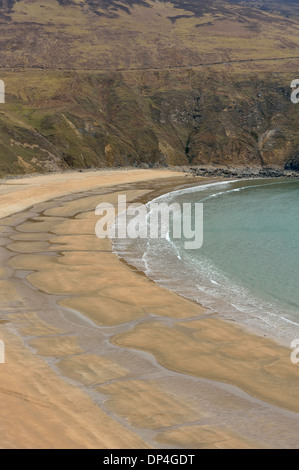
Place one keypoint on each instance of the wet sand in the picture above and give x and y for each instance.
(98, 356)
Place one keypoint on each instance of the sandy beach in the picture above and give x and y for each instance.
(99, 356)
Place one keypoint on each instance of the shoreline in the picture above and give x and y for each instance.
(263, 329)
(205, 171)
(99, 355)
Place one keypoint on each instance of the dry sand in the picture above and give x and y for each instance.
(98, 356)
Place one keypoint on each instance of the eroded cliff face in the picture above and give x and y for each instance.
(145, 83)
(148, 118)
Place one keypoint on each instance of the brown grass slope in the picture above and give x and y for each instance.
(96, 83)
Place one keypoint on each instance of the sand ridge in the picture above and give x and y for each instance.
(146, 367)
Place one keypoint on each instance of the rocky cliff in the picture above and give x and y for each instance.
(144, 83)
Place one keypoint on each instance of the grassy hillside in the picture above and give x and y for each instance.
(112, 35)
(92, 83)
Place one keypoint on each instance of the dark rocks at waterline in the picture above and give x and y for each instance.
(293, 164)
(259, 172)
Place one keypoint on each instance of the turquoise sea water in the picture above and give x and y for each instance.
(248, 266)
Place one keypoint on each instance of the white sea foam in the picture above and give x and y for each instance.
(163, 261)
